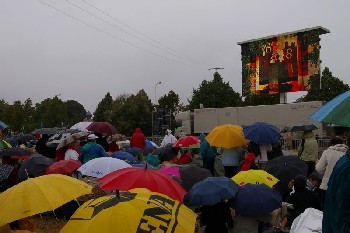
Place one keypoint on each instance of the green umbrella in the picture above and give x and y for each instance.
(3, 125)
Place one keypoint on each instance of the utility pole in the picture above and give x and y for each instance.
(216, 69)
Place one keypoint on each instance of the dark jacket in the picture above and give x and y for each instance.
(302, 198)
(216, 217)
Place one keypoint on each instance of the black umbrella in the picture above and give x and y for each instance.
(286, 168)
(14, 151)
(135, 151)
(303, 127)
(192, 174)
(286, 129)
(35, 166)
(5, 171)
(49, 131)
(168, 153)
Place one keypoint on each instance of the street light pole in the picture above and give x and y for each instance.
(155, 102)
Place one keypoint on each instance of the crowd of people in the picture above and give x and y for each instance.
(326, 186)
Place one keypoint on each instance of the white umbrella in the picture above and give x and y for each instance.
(81, 125)
(102, 166)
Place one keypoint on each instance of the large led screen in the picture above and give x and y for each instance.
(280, 64)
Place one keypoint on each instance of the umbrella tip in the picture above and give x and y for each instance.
(117, 194)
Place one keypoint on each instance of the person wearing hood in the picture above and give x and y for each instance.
(138, 139)
(249, 162)
(91, 150)
(327, 162)
(168, 138)
(207, 153)
(301, 199)
(308, 150)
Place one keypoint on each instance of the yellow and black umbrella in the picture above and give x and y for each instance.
(255, 177)
(227, 136)
(38, 195)
(137, 210)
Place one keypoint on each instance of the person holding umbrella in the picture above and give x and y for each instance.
(73, 151)
(308, 150)
(231, 159)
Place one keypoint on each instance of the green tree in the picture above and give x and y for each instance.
(15, 116)
(215, 94)
(3, 107)
(169, 104)
(132, 111)
(262, 99)
(104, 109)
(330, 87)
(75, 112)
(50, 113)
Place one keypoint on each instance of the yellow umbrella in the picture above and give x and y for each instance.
(226, 136)
(138, 210)
(255, 177)
(38, 195)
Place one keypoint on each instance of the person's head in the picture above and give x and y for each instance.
(75, 145)
(336, 140)
(300, 183)
(138, 130)
(315, 179)
(167, 132)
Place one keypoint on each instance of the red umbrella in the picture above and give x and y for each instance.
(187, 141)
(64, 167)
(102, 128)
(135, 177)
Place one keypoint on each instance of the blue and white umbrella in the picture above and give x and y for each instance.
(102, 166)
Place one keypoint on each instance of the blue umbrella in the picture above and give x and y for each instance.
(262, 133)
(211, 191)
(122, 155)
(150, 143)
(257, 200)
(336, 111)
(3, 125)
(135, 151)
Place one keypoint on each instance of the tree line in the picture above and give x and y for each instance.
(128, 111)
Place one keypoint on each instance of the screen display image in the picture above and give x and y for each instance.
(281, 63)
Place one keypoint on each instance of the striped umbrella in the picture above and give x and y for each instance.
(335, 111)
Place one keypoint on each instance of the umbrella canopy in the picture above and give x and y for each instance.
(35, 166)
(38, 195)
(81, 125)
(336, 111)
(3, 125)
(4, 145)
(125, 156)
(15, 152)
(64, 167)
(71, 138)
(255, 177)
(100, 167)
(262, 133)
(5, 171)
(257, 200)
(135, 151)
(187, 141)
(135, 177)
(49, 131)
(150, 143)
(286, 129)
(226, 136)
(58, 137)
(189, 174)
(211, 191)
(134, 211)
(286, 168)
(102, 128)
(303, 127)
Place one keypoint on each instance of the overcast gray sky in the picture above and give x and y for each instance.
(82, 49)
